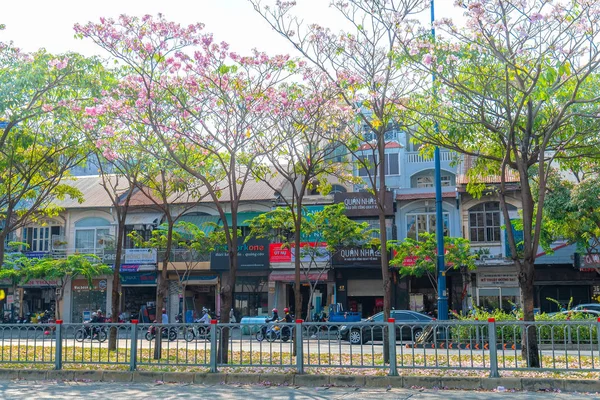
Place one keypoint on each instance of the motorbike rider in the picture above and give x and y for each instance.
(287, 318)
(274, 318)
(205, 319)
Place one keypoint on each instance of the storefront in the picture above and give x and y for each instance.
(196, 292)
(138, 281)
(250, 296)
(282, 282)
(87, 299)
(10, 303)
(139, 290)
(497, 288)
(38, 296)
(358, 280)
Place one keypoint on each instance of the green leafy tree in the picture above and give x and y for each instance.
(516, 88)
(87, 266)
(188, 240)
(38, 143)
(419, 257)
(328, 231)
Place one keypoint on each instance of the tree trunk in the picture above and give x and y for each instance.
(116, 289)
(385, 273)
(162, 290)
(297, 266)
(529, 339)
(3, 235)
(227, 288)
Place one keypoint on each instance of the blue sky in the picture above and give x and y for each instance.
(41, 23)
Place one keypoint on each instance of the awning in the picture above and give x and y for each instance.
(243, 218)
(143, 218)
(280, 276)
(204, 222)
(201, 280)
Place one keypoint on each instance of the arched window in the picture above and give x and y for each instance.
(485, 222)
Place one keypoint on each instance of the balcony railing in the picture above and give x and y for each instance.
(416, 157)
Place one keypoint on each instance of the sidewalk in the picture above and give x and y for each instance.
(135, 391)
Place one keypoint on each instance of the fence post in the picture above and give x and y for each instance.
(598, 335)
(213, 345)
(392, 346)
(58, 345)
(493, 345)
(299, 347)
(133, 354)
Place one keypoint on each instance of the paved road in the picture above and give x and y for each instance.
(117, 391)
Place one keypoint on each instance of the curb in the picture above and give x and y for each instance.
(405, 381)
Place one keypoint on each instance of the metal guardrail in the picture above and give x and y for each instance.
(466, 345)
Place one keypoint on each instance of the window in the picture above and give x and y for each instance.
(374, 224)
(92, 234)
(411, 145)
(417, 223)
(427, 181)
(392, 166)
(368, 161)
(484, 222)
(39, 238)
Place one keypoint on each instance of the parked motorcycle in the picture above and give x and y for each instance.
(91, 332)
(166, 333)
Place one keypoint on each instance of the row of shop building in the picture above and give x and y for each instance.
(266, 271)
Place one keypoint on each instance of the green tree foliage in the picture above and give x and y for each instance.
(419, 257)
(327, 232)
(38, 143)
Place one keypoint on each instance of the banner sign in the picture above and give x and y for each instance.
(131, 256)
(251, 255)
(509, 279)
(140, 278)
(317, 253)
(361, 204)
(350, 256)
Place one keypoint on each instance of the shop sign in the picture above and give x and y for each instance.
(509, 279)
(253, 254)
(291, 277)
(138, 267)
(10, 299)
(280, 254)
(361, 204)
(131, 256)
(139, 278)
(590, 261)
(349, 256)
(39, 283)
(82, 285)
(36, 254)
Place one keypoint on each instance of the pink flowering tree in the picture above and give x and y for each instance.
(206, 104)
(361, 62)
(516, 88)
(38, 144)
(305, 153)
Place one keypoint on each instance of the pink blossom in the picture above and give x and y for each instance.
(47, 107)
(428, 59)
(535, 17)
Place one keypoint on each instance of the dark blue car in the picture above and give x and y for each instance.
(409, 327)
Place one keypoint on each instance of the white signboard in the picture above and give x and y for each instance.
(140, 256)
(508, 279)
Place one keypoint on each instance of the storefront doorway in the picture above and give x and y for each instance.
(87, 299)
(498, 298)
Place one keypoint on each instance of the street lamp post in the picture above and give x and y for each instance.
(439, 215)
